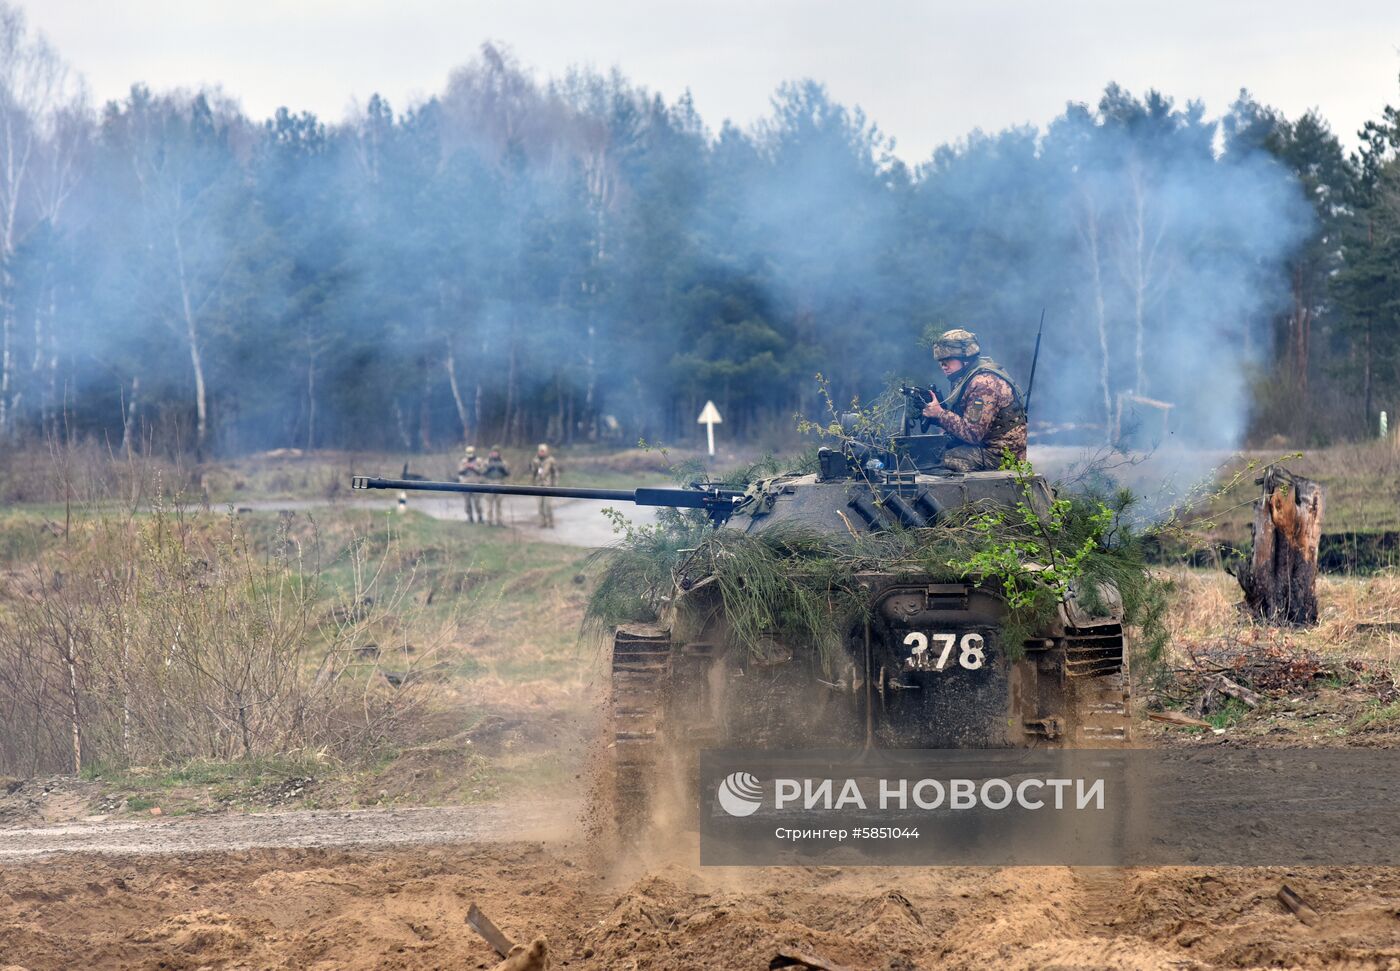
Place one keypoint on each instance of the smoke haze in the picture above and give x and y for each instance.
(521, 258)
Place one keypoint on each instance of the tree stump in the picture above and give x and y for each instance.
(1280, 577)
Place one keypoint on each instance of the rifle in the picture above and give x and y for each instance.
(920, 397)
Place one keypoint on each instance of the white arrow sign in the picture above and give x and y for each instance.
(709, 417)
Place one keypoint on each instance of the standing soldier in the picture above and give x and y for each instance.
(984, 412)
(545, 473)
(471, 470)
(496, 474)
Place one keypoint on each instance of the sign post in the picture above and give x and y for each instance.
(709, 417)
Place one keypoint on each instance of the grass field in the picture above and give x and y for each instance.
(1362, 484)
(483, 628)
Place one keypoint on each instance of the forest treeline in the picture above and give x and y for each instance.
(576, 259)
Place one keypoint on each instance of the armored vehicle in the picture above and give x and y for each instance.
(928, 668)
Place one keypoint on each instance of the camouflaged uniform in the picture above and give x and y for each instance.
(986, 414)
(545, 472)
(496, 473)
(471, 470)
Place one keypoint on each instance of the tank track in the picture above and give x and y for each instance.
(1096, 664)
(1105, 712)
(641, 660)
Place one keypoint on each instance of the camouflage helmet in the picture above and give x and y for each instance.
(956, 343)
(471, 451)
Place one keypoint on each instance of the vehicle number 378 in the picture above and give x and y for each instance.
(971, 651)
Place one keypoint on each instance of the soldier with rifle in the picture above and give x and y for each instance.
(471, 470)
(984, 411)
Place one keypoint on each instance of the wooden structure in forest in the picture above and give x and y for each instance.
(1279, 578)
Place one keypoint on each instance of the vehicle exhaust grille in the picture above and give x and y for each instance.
(1092, 652)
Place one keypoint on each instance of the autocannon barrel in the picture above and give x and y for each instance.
(676, 498)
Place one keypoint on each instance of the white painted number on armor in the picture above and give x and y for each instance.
(972, 655)
(971, 651)
(920, 643)
(948, 641)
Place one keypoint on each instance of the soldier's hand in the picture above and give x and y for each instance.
(933, 409)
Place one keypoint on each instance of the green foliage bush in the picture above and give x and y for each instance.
(803, 585)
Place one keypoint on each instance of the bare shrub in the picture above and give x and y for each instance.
(85, 473)
(162, 635)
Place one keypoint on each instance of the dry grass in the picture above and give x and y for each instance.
(167, 635)
(88, 473)
(1359, 618)
(1362, 483)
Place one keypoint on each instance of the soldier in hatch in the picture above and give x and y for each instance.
(545, 472)
(496, 473)
(984, 412)
(471, 470)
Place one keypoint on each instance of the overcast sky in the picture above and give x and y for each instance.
(926, 72)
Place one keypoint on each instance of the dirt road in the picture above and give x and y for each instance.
(304, 829)
(390, 888)
(404, 907)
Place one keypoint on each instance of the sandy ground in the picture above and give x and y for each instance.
(228, 906)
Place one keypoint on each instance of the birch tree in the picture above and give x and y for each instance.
(62, 163)
(189, 189)
(32, 79)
